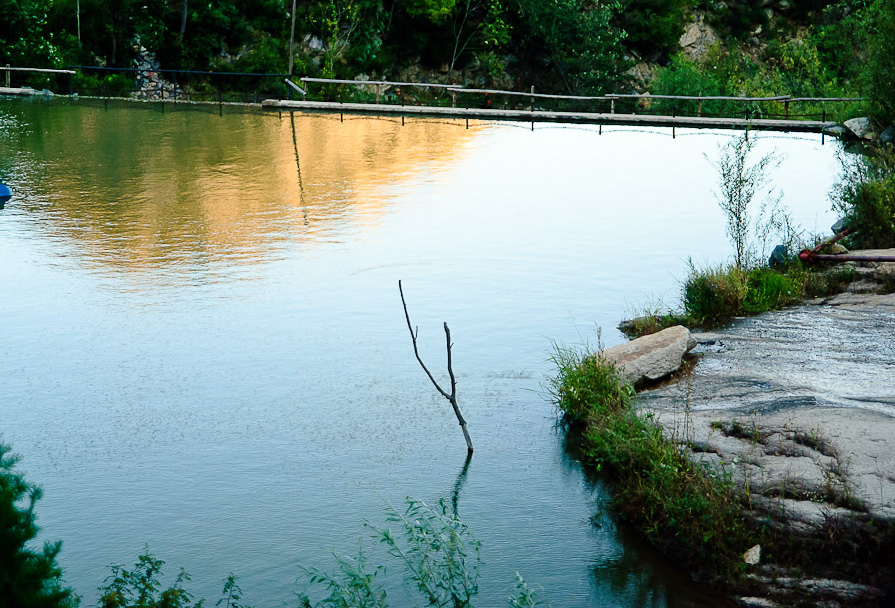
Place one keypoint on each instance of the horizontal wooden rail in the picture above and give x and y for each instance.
(456, 88)
(46, 71)
(820, 99)
(698, 98)
(383, 83)
(535, 95)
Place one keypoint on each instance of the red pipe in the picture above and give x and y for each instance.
(808, 256)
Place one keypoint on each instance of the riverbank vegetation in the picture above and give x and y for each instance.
(821, 48)
(752, 283)
(693, 514)
(698, 512)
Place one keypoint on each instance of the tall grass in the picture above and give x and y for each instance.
(714, 295)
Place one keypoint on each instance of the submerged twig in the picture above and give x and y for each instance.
(452, 396)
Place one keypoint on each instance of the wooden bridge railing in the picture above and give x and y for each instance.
(611, 98)
(9, 69)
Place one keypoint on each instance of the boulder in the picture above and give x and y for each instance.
(698, 37)
(652, 357)
(861, 127)
(841, 224)
(779, 257)
(835, 131)
(888, 135)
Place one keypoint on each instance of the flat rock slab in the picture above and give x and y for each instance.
(652, 357)
(810, 395)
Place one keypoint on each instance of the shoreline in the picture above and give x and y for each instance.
(809, 445)
(764, 464)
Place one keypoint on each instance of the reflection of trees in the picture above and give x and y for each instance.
(638, 572)
(645, 578)
(135, 186)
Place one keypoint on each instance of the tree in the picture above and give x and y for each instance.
(28, 578)
(25, 39)
(580, 40)
(879, 68)
(653, 26)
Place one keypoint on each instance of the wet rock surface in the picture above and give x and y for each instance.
(798, 407)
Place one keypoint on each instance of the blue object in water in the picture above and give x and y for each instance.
(5, 194)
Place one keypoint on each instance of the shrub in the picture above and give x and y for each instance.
(738, 183)
(865, 193)
(714, 295)
(879, 69)
(28, 578)
(439, 556)
(139, 586)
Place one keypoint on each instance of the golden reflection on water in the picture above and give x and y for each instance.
(140, 189)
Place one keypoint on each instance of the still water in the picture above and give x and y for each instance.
(203, 346)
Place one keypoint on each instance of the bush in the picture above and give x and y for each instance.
(865, 194)
(28, 578)
(139, 586)
(879, 68)
(439, 556)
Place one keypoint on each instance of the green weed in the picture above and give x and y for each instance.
(714, 295)
(586, 387)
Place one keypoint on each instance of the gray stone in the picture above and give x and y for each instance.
(652, 357)
(698, 37)
(314, 43)
(861, 127)
(779, 256)
(810, 387)
(888, 135)
(753, 555)
(835, 131)
(840, 225)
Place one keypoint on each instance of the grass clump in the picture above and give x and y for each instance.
(685, 509)
(587, 387)
(714, 295)
(437, 552)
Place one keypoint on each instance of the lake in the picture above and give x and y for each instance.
(204, 350)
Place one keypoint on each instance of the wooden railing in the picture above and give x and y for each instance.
(611, 98)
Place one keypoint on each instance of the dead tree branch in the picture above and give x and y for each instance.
(452, 396)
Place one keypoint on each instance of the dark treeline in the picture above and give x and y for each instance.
(573, 46)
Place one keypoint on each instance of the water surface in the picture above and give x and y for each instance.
(204, 349)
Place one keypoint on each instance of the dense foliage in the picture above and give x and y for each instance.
(865, 195)
(805, 47)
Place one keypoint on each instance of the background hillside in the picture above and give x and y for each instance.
(799, 47)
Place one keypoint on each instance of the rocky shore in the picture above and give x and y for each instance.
(798, 408)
